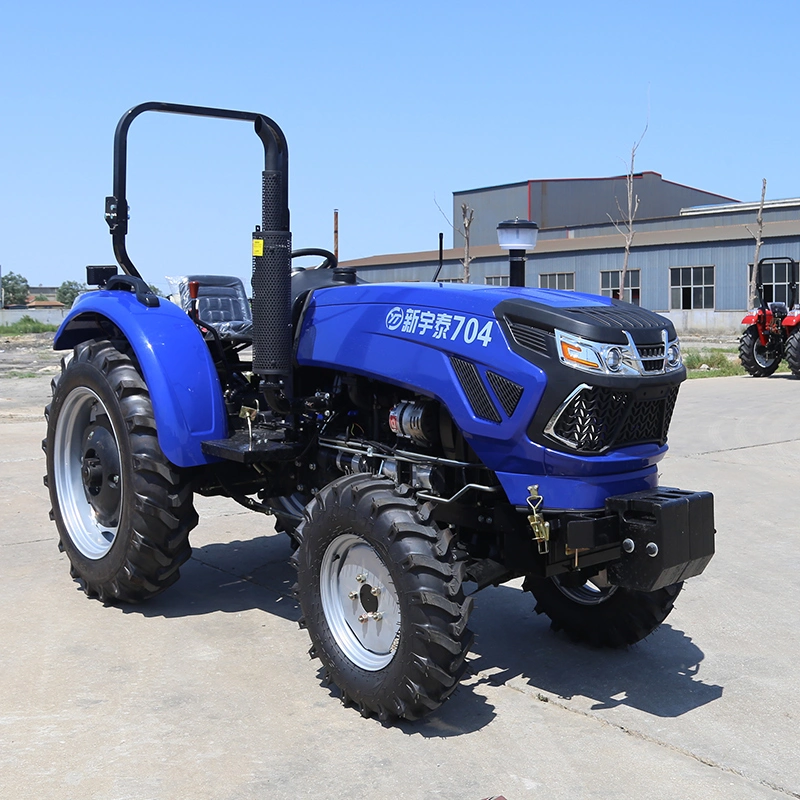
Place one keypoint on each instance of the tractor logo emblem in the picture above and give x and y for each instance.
(394, 319)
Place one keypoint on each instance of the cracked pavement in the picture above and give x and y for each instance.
(208, 692)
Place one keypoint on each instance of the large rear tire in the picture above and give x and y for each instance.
(757, 360)
(381, 596)
(603, 616)
(793, 352)
(122, 510)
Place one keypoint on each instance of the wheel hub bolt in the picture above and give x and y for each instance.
(361, 578)
(376, 615)
(353, 595)
(375, 591)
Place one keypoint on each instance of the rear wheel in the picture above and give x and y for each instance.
(381, 597)
(793, 352)
(600, 614)
(758, 360)
(122, 510)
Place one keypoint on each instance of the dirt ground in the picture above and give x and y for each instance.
(28, 355)
(27, 365)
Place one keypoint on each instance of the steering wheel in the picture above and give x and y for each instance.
(330, 261)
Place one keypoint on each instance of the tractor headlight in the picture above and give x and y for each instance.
(589, 356)
(613, 358)
(674, 356)
(617, 359)
(579, 353)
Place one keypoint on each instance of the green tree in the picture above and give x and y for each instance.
(15, 289)
(40, 297)
(155, 290)
(68, 291)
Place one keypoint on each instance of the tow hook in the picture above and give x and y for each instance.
(539, 526)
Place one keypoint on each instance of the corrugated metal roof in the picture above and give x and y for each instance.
(612, 241)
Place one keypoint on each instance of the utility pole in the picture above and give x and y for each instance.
(336, 233)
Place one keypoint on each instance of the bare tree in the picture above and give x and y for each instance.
(751, 287)
(467, 215)
(628, 215)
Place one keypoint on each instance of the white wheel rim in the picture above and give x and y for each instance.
(762, 356)
(360, 602)
(92, 537)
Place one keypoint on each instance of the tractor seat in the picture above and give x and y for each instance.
(779, 309)
(221, 304)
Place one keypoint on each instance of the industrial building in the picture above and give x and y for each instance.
(690, 258)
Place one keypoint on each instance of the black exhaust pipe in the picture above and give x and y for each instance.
(272, 265)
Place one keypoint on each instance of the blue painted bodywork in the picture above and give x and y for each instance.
(175, 361)
(396, 333)
(403, 334)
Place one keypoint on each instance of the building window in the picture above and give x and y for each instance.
(450, 280)
(609, 285)
(557, 280)
(776, 277)
(691, 287)
(496, 280)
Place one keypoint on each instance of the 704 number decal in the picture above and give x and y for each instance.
(440, 325)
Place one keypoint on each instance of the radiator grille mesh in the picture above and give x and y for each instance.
(508, 392)
(474, 389)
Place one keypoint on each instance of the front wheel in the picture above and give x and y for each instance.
(122, 510)
(793, 352)
(380, 593)
(758, 360)
(603, 615)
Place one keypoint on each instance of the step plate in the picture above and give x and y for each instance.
(260, 449)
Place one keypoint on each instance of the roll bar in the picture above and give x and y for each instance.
(276, 159)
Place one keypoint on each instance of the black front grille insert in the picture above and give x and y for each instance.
(652, 357)
(597, 419)
(527, 336)
(508, 392)
(474, 389)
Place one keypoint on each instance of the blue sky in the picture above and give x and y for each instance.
(385, 107)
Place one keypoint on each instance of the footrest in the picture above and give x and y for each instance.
(258, 449)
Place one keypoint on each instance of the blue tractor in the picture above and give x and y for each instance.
(417, 442)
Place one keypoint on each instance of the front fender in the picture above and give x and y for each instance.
(175, 362)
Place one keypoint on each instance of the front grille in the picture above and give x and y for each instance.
(596, 419)
(652, 357)
(474, 389)
(649, 420)
(527, 336)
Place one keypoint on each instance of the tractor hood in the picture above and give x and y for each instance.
(589, 316)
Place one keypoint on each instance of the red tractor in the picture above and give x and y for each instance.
(773, 328)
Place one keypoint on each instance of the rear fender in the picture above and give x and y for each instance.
(174, 359)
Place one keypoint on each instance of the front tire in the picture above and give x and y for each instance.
(381, 596)
(758, 361)
(602, 616)
(122, 510)
(793, 352)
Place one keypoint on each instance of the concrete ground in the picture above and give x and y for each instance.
(208, 692)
